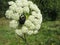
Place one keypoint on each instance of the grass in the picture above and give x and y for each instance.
(49, 34)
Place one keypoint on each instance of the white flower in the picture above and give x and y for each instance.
(36, 31)
(34, 13)
(37, 15)
(34, 20)
(13, 7)
(29, 24)
(19, 3)
(32, 27)
(26, 9)
(19, 10)
(11, 3)
(31, 6)
(30, 2)
(15, 16)
(31, 18)
(24, 29)
(30, 32)
(37, 27)
(25, 3)
(34, 7)
(13, 24)
(9, 13)
(19, 32)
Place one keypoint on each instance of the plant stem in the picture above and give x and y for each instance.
(25, 40)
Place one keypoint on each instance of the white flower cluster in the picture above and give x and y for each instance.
(32, 24)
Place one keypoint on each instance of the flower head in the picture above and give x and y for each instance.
(25, 15)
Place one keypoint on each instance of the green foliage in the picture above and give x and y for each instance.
(49, 34)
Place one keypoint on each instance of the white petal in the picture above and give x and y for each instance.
(15, 16)
(26, 9)
(11, 3)
(29, 24)
(19, 10)
(19, 3)
(25, 3)
(13, 7)
(36, 31)
(37, 27)
(31, 18)
(30, 2)
(24, 29)
(9, 13)
(34, 20)
(13, 24)
(30, 32)
(37, 15)
(34, 7)
(19, 32)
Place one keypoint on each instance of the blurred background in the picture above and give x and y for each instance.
(49, 34)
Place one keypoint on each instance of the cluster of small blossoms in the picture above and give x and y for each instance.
(32, 23)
